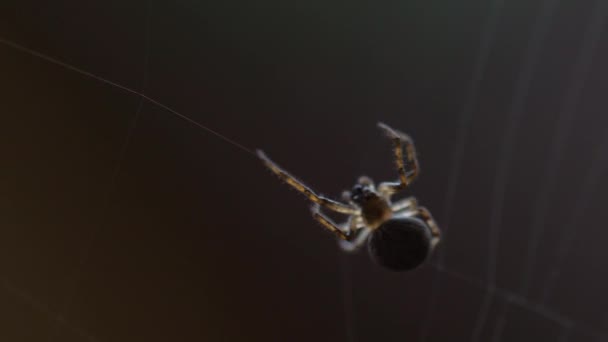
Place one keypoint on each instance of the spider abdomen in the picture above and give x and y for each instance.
(400, 243)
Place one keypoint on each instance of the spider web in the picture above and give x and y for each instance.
(589, 182)
(520, 298)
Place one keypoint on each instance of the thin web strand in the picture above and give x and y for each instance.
(579, 76)
(119, 86)
(514, 118)
(488, 34)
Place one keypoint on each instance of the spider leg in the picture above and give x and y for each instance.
(404, 204)
(409, 206)
(406, 177)
(309, 193)
(342, 231)
(358, 237)
(425, 214)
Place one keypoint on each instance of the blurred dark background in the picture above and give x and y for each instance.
(120, 221)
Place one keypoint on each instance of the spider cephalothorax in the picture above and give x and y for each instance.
(362, 192)
(375, 208)
(400, 235)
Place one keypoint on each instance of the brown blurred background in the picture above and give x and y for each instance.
(120, 221)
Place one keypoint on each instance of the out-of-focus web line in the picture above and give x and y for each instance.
(20, 294)
(566, 332)
(122, 156)
(500, 322)
(521, 301)
(548, 181)
(119, 86)
(125, 146)
(516, 111)
(594, 173)
(597, 171)
(348, 297)
(488, 34)
(515, 299)
(579, 76)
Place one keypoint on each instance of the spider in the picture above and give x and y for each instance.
(399, 235)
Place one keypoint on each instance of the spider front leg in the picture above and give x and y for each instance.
(406, 177)
(352, 234)
(299, 186)
(344, 232)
